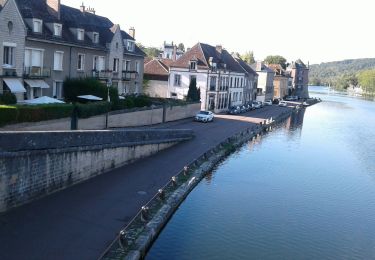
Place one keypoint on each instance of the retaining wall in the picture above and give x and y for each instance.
(34, 164)
(116, 119)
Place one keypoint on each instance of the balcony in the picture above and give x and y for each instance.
(129, 75)
(36, 72)
(212, 87)
(9, 72)
(102, 74)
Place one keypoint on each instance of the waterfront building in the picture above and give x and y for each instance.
(280, 81)
(219, 77)
(170, 51)
(299, 81)
(46, 42)
(265, 88)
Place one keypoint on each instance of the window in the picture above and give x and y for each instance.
(95, 37)
(116, 63)
(58, 89)
(214, 67)
(57, 29)
(127, 65)
(177, 80)
(213, 83)
(193, 65)
(58, 61)
(130, 46)
(81, 62)
(8, 58)
(98, 63)
(34, 58)
(137, 66)
(80, 34)
(37, 26)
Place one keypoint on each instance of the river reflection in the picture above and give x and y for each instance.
(303, 191)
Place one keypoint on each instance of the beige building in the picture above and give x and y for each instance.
(280, 81)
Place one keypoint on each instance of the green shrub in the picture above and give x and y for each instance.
(43, 112)
(8, 98)
(92, 109)
(8, 114)
(142, 101)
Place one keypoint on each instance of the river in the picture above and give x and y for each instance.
(304, 191)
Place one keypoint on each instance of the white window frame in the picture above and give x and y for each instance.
(61, 63)
(177, 80)
(80, 32)
(31, 57)
(128, 65)
(116, 65)
(130, 46)
(101, 64)
(10, 57)
(55, 93)
(37, 26)
(193, 65)
(95, 37)
(82, 67)
(57, 29)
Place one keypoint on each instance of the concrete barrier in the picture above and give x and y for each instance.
(35, 164)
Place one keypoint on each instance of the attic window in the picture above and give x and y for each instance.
(37, 25)
(193, 65)
(57, 29)
(80, 34)
(95, 37)
(214, 66)
(130, 46)
(10, 27)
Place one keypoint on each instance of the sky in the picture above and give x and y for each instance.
(315, 30)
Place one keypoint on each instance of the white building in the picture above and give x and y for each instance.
(265, 89)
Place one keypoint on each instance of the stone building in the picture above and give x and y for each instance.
(265, 88)
(156, 74)
(47, 42)
(280, 81)
(299, 73)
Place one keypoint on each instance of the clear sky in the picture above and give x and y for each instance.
(314, 30)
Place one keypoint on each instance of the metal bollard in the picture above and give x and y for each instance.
(123, 239)
(161, 194)
(186, 170)
(174, 181)
(144, 213)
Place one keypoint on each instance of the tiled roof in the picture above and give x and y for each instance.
(203, 53)
(246, 66)
(157, 67)
(264, 68)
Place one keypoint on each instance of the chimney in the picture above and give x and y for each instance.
(53, 7)
(132, 32)
(2, 2)
(259, 66)
(90, 10)
(219, 48)
(83, 8)
(174, 56)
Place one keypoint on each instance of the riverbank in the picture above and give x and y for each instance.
(137, 237)
(81, 222)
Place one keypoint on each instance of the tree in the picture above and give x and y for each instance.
(276, 59)
(193, 92)
(366, 80)
(248, 57)
(181, 47)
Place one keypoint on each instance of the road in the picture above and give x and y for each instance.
(81, 221)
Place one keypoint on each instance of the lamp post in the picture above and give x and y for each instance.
(109, 84)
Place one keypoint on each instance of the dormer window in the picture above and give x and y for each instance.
(130, 46)
(37, 25)
(80, 34)
(57, 29)
(95, 37)
(214, 67)
(193, 65)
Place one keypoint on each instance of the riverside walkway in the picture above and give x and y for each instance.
(81, 221)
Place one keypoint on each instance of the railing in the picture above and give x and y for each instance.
(36, 72)
(128, 75)
(101, 74)
(9, 72)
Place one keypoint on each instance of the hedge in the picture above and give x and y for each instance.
(22, 114)
(92, 109)
(8, 98)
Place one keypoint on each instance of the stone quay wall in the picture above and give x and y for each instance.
(35, 164)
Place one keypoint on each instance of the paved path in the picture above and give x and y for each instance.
(80, 222)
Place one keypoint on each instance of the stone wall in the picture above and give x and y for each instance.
(116, 119)
(34, 164)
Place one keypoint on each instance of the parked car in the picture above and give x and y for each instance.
(291, 98)
(283, 103)
(268, 102)
(235, 110)
(243, 109)
(204, 116)
(257, 104)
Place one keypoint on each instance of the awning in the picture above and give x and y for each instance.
(43, 100)
(36, 83)
(90, 97)
(15, 85)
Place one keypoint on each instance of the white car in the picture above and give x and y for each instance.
(283, 104)
(204, 116)
(268, 102)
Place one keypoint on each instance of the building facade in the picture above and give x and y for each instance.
(156, 75)
(55, 42)
(265, 88)
(219, 76)
(299, 73)
(280, 81)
